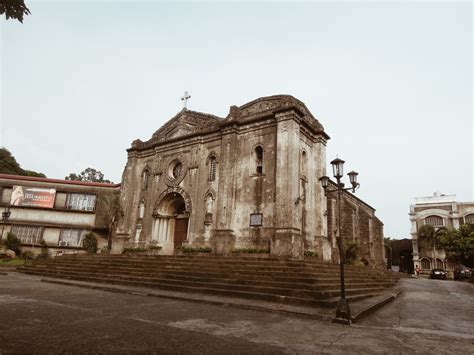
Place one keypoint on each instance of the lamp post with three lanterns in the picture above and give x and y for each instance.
(343, 312)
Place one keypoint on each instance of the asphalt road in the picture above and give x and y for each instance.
(430, 316)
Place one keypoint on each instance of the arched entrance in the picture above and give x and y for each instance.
(171, 218)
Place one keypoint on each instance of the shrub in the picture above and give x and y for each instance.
(13, 243)
(105, 250)
(44, 249)
(311, 254)
(251, 251)
(133, 250)
(89, 243)
(27, 255)
(195, 250)
(155, 247)
(352, 250)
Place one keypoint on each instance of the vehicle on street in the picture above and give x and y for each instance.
(438, 274)
(462, 272)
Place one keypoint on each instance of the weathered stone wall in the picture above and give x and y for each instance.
(360, 225)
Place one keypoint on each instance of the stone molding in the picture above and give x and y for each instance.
(170, 190)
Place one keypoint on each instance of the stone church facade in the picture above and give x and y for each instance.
(246, 181)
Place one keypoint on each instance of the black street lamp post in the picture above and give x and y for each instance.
(343, 311)
(5, 216)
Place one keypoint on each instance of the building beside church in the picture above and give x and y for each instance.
(58, 212)
(249, 180)
(440, 211)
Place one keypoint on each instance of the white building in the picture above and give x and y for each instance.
(439, 211)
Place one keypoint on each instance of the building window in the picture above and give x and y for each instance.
(141, 210)
(304, 164)
(80, 202)
(435, 221)
(175, 169)
(469, 218)
(145, 179)
(71, 237)
(425, 264)
(258, 152)
(212, 168)
(28, 234)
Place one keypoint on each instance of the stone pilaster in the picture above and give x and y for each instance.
(287, 240)
(414, 238)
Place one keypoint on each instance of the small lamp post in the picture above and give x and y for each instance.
(343, 311)
(5, 216)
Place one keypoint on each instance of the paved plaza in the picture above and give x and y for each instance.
(429, 316)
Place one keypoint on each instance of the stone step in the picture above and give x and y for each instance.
(218, 273)
(278, 298)
(278, 280)
(222, 285)
(222, 261)
(228, 268)
(255, 279)
(288, 265)
(307, 284)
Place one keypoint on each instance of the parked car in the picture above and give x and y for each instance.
(462, 272)
(438, 274)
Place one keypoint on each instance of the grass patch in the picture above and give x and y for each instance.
(12, 262)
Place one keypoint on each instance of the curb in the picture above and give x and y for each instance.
(375, 306)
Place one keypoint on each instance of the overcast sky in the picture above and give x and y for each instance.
(390, 82)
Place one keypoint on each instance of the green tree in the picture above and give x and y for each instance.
(111, 204)
(13, 243)
(89, 175)
(14, 9)
(460, 243)
(431, 236)
(9, 165)
(89, 243)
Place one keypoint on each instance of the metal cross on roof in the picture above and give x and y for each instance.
(185, 98)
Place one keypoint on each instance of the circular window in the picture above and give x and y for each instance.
(177, 170)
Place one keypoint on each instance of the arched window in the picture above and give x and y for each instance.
(141, 209)
(435, 221)
(212, 168)
(425, 264)
(258, 152)
(304, 164)
(145, 179)
(439, 264)
(469, 218)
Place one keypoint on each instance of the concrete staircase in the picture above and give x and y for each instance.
(308, 282)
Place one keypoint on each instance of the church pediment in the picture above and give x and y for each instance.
(178, 131)
(185, 123)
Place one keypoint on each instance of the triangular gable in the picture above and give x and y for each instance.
(184, 123)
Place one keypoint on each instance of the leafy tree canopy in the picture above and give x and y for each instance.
(14, 9)
(9, 165)
(89, 175)
(460, 243)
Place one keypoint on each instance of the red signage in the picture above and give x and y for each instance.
(33, 197)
